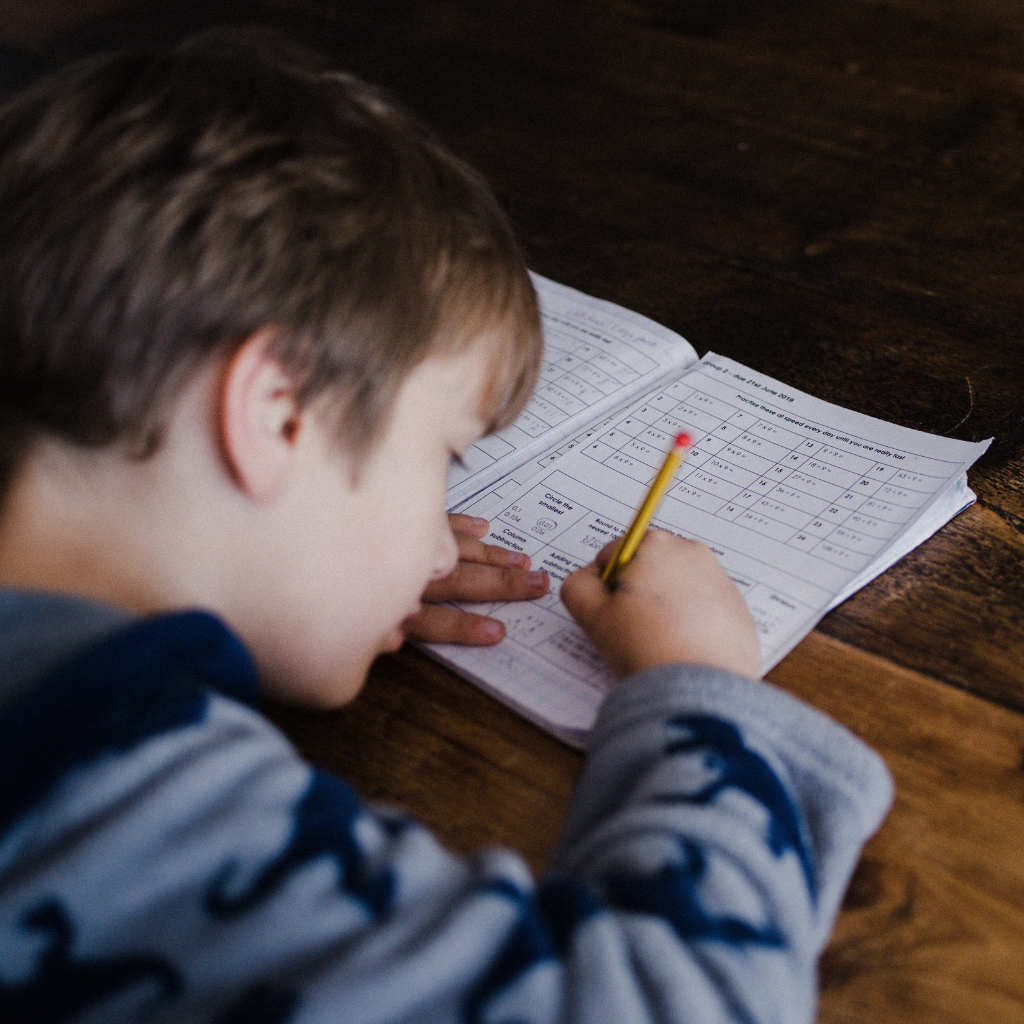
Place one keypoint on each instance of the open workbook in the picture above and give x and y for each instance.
(803, 502)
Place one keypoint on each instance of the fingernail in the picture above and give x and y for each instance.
(536, 580)
(518, 560)
(492, 629)
(480, 524)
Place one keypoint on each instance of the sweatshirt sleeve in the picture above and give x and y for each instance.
(720, 819)
(190, 866)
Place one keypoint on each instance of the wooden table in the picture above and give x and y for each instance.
(832, 193)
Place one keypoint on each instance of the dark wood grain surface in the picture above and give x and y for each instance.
(832, 193)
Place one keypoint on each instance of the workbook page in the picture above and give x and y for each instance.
(797, 498)
(597, 358)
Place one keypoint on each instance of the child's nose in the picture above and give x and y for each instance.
(447, 552)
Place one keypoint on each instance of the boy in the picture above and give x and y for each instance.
(248, 312)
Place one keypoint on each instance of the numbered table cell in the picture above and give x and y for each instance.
(779, 472)
(624, 463)
(631, 426)
(679, 391)
(765, 430)
(569, 361)
(794, 460)
(729, 472)
(803, 540)
(543, 410)
(596, 378)
(856, 464)
(615, 438)
(819, 527)
(760, 446)
(742, 419)
(711, 483)
(688, 494)
(729, 511)
(650, 451)
(756, 464)
(727, 432)
(886, 510)
(614, 367)
(808, 504)
(780, 512)
(814, 487)
(648, 413)
(836, 554)
(835, 514)
(866, 486)
(835, 475)
(708, 404)
(851, 500)
(573, 384)
(551, 371)
(559, 398)
(598, 452)
(664, 403)
(902, 496)
(809, 448)
(879, 471)
(916, 481)
(695, 421)
(862, 543)
(705, 446)
(872, 526)
(759, 523)
(530, 423)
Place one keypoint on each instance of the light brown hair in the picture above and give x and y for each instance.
(157, 209)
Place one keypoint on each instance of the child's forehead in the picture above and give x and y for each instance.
(506, 363)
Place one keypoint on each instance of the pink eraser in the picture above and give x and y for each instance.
(683, 440)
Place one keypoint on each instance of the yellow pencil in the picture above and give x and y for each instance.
(645, 513)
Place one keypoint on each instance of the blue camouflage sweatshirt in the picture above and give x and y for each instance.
(166, 855)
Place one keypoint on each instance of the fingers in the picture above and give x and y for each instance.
(493, 581)
(443, 624)
(468, 530)
(485, 572)
(470, 526)
(583, 593)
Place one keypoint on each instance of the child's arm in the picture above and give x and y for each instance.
(155, 822)
(486, 572)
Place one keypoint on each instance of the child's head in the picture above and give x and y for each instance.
(156, 210)
(209, 221)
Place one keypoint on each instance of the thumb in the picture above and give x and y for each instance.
(583, 593)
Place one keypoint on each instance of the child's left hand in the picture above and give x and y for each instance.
(485, 572)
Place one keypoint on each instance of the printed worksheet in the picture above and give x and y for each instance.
(801, 501)
(597, 358)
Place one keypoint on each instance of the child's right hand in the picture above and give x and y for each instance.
(672, 603)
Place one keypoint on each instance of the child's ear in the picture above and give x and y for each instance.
(259, 418)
